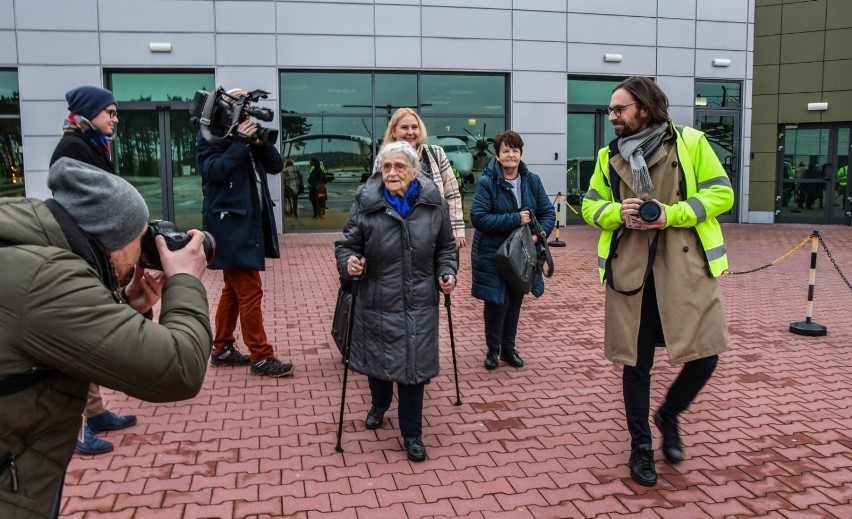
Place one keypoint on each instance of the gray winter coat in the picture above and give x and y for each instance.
(395, 330)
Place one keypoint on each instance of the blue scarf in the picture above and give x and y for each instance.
(96, 138)
(403, 204)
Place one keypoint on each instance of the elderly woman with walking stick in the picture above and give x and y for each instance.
(398, 240)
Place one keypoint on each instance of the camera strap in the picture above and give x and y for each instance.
(613, 247)
(204, 120)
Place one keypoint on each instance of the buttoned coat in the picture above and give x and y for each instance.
(395, 330)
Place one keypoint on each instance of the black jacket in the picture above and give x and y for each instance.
(74, 145)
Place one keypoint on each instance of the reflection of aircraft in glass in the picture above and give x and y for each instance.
(457, 151)
(579, 173)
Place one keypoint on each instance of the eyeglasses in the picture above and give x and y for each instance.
(618, 109)
(398, 166)
(113, 114)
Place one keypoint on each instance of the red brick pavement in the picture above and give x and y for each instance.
(770, 436)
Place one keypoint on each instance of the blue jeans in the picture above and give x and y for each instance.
(636, 380)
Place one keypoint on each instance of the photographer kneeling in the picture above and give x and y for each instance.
(69, 266)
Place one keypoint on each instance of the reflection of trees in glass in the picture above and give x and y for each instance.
(11, 158)
(137, 145)
(10, 104)
(292, 127)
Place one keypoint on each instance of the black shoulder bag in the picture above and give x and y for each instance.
(519, 261)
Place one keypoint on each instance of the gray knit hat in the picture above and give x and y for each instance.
(104, 205)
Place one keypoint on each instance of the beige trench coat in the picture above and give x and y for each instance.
(688, 298)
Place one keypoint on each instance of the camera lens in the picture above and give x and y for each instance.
(649, 211)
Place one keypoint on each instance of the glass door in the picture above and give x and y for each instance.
(588, 132)
(841, 208)
(722, 129)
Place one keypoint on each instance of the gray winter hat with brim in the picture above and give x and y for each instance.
(102, 204)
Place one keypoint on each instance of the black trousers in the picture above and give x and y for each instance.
(636, 380)
(410, 404)
(501, 322)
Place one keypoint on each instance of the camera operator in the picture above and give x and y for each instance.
(237, 211)
(68, 264)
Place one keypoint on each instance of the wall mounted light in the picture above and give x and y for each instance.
(613, 58)
(160, 46)
(721, 62)
(813, 107)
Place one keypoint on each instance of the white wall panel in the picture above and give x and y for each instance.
(621, 7)
(58, 48)
(675, 62)
(680, 90)
(50, 83)
(608, 29)
(541, 26)
(8, 48)
(539, 87)
(467, 54)
(540, 56)
(467, 23)
(675, 33)
(156, 15)
(62, 15)
(588, 59)
(481, 4)
(398, 52)
(704, 64)
(245, 16)
(723, 10)
(7, 14)
(318, 19)
(540, 147)
(397, 20)
(721, 35)
(131, 49)
(325, 51)
(676, 9)
(36, 184)
(43, 117)
(231, 49)
(538, 118)
(37, 153)
(557, 6)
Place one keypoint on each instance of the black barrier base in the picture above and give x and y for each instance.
(556, 243)
(811, 329)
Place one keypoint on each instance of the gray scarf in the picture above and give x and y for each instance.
(635, 148)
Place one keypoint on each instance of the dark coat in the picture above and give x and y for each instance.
(74, 145)
(245, 233)
(316, 177)
(57, 313)
(395, 330)
(495, 215)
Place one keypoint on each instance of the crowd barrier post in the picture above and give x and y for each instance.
(557, 242)
(808, 326)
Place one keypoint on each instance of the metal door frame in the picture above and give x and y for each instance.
(736, 146)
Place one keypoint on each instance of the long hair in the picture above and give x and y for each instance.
(648, 96)
(394, 122)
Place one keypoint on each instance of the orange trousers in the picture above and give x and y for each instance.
(241, 298)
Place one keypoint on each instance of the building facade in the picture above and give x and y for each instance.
(335, 70)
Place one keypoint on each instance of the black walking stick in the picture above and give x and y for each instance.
(355, 282)
(452, 344)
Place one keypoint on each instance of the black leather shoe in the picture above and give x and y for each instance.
(642, 468)
(672, 448)
(491, 360)
(375, 417)
(512, 358)
(415, 448)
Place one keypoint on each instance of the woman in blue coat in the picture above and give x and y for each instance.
(508, 192)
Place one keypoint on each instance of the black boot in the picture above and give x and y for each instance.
(491, 359)
(415, 448)
(642, 468)
(672, 447)
(512, 358)
(375, 417)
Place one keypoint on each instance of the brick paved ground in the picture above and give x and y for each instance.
(771, 436)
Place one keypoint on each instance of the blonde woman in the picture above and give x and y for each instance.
(406, 125)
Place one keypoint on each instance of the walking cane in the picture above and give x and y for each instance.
(452, 343)
(355, 283)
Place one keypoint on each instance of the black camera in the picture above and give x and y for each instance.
(218, 114)
(650, 211)
(175, 240)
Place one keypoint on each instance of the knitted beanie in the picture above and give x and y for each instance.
(103, 205)
(88, 101)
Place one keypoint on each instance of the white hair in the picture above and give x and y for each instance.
(398, 147)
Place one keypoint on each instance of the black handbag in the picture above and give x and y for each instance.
(342, 315)
(519, 261)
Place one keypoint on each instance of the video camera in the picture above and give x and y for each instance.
(175, 240)
(222, 112)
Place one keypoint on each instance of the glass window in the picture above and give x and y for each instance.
(463, 94)
(718, 94)
(11, 151)
(166, 86)
(590, 91)
(339, 119)
(326, 92)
